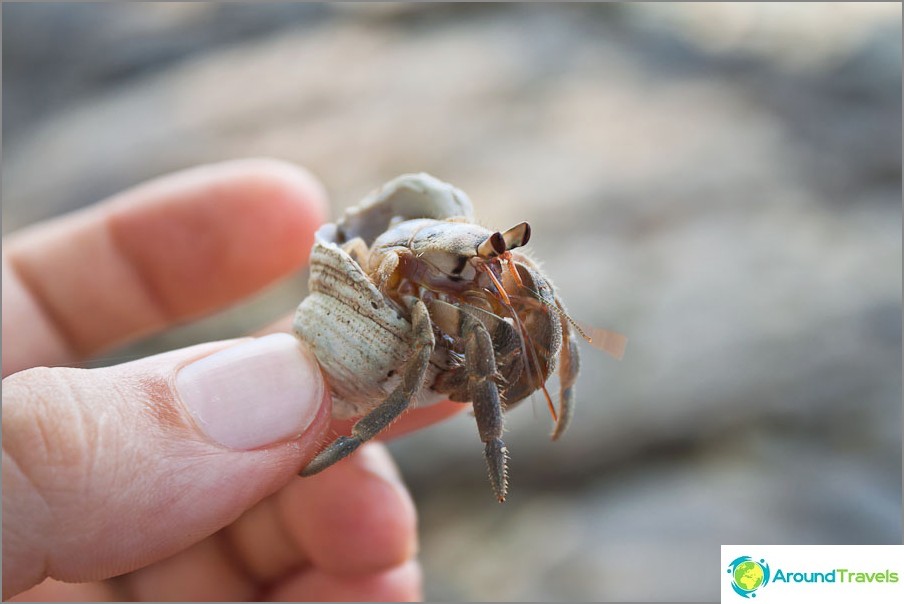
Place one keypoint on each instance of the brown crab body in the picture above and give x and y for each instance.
(412, 303)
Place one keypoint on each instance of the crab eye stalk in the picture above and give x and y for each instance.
(492, 246)
(517, 236)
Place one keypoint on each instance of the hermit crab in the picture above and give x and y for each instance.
(411, 302)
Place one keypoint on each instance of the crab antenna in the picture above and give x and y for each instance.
(502, 293)
(513, 270)
(561, 313)
(527, 345)
(517, 236)
(610, 342)
(533, 364)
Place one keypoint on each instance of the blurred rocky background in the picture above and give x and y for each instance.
(722, 183)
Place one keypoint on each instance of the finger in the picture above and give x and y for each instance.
(202, 573)
(158, 254)
(51, 590)
(108, 470)
(357, 518)
(412, 420)
(400, 584)
(40, 343)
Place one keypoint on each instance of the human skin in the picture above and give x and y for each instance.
(126, 482)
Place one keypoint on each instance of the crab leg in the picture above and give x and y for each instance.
(569, 365)
(394, 405)
(480, 361)
(480, 367)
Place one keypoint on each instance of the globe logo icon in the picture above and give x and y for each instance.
(748, 575)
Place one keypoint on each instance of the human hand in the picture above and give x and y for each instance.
(173, 476)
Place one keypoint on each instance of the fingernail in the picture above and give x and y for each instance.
(254, 394)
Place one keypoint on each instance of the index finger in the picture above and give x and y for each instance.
(156, 255)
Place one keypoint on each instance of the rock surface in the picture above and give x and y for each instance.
(721, 184)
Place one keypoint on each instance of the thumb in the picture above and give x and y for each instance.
(107, 470)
